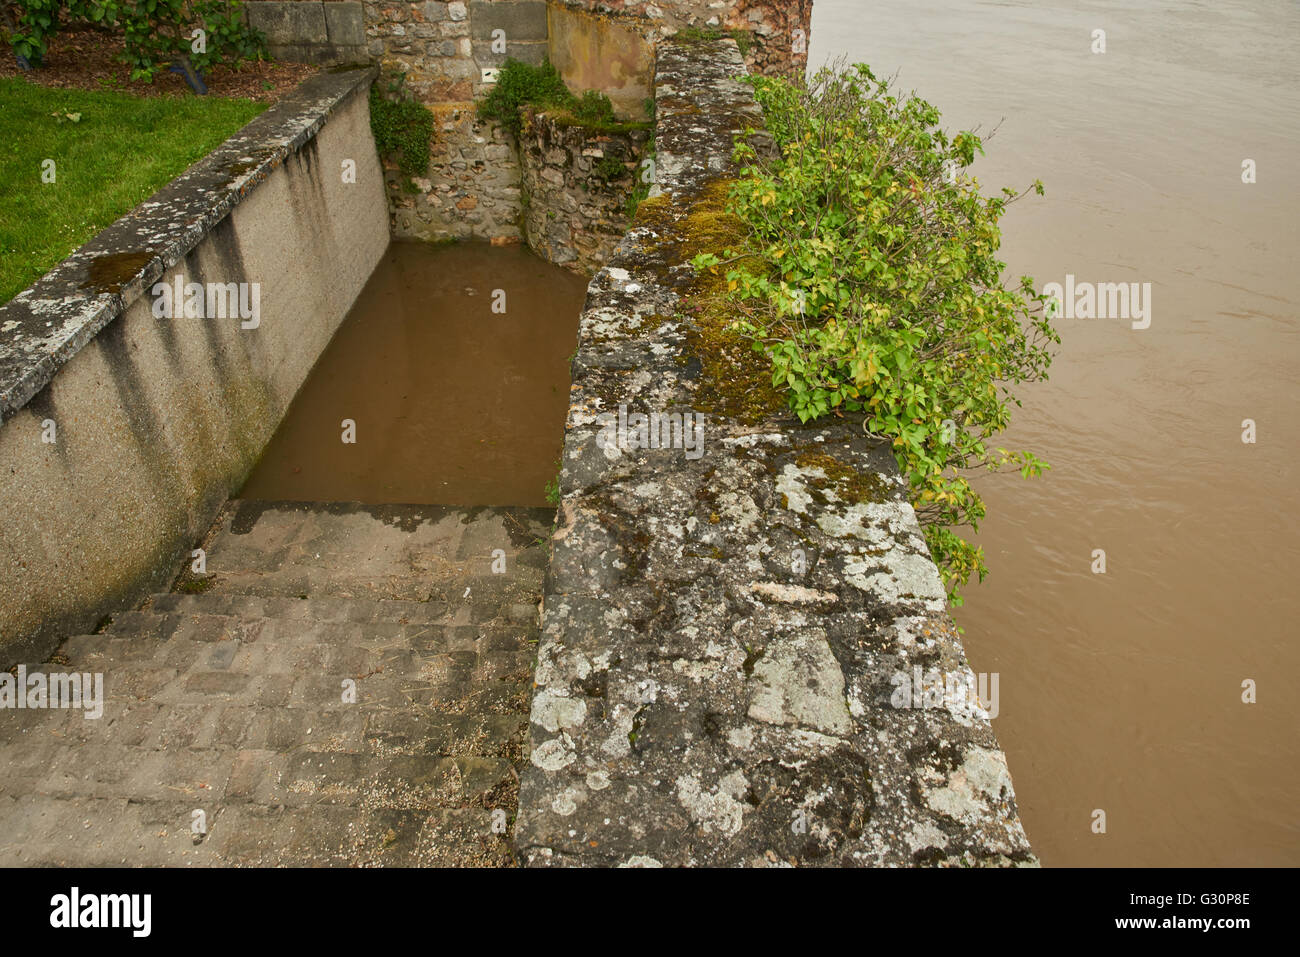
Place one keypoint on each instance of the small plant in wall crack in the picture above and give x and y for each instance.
(610, 168)
(553, 486)
(645, 179)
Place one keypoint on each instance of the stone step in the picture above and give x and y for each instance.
(391, 552)
(482, 711)
(292, 777)
(42, 830)
(300, 609)
(285, 661)
(348, 685)
(268, 646)
(209, 622)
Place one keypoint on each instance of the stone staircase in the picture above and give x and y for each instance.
(347, 685)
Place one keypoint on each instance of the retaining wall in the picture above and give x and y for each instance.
(472, 189)
(577, 185)
(725, 622)
(156, 421)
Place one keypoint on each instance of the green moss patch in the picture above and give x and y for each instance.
(402, 127)
(735, 380)
(848, 484)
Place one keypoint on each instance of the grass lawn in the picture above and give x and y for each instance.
(120, 150)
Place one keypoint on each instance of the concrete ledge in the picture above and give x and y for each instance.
(125, 431)
(723, 631)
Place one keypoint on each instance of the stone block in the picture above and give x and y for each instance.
(288, 23)
(345, 23)
(521, 20)
(533, 52)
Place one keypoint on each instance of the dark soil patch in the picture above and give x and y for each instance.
(86, 58)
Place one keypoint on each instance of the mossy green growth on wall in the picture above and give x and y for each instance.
(402, 127)
(522, 84)
(744, 38)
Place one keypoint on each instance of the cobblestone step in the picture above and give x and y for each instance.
(376, 717)
(99, 832)
(404, 553)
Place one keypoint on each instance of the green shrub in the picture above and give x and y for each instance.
(870, 280)
(402, 127)
(35, 22)
(521, 84)
(593, 109)
(160, 32)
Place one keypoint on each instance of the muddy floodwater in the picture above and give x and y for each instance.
(1122, 692)
(453, 366)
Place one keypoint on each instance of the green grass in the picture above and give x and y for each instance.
(121, 150)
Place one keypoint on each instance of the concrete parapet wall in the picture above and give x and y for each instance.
(726, 620)
(123, 433)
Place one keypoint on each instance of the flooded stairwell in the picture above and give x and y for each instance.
(338, 677)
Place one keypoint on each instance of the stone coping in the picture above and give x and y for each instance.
(47, 324)
(726, 624)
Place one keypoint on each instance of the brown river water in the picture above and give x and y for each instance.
(453, 403)
(1122, 691)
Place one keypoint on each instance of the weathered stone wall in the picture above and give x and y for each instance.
(443, 47)
(602, 53)
(780, 28)
(157, 420)
(310, 31)
(725, 621)
(577, 185)
(472, 190)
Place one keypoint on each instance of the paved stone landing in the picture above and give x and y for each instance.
(233, 697)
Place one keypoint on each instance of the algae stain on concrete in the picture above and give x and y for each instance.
(110, 272)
